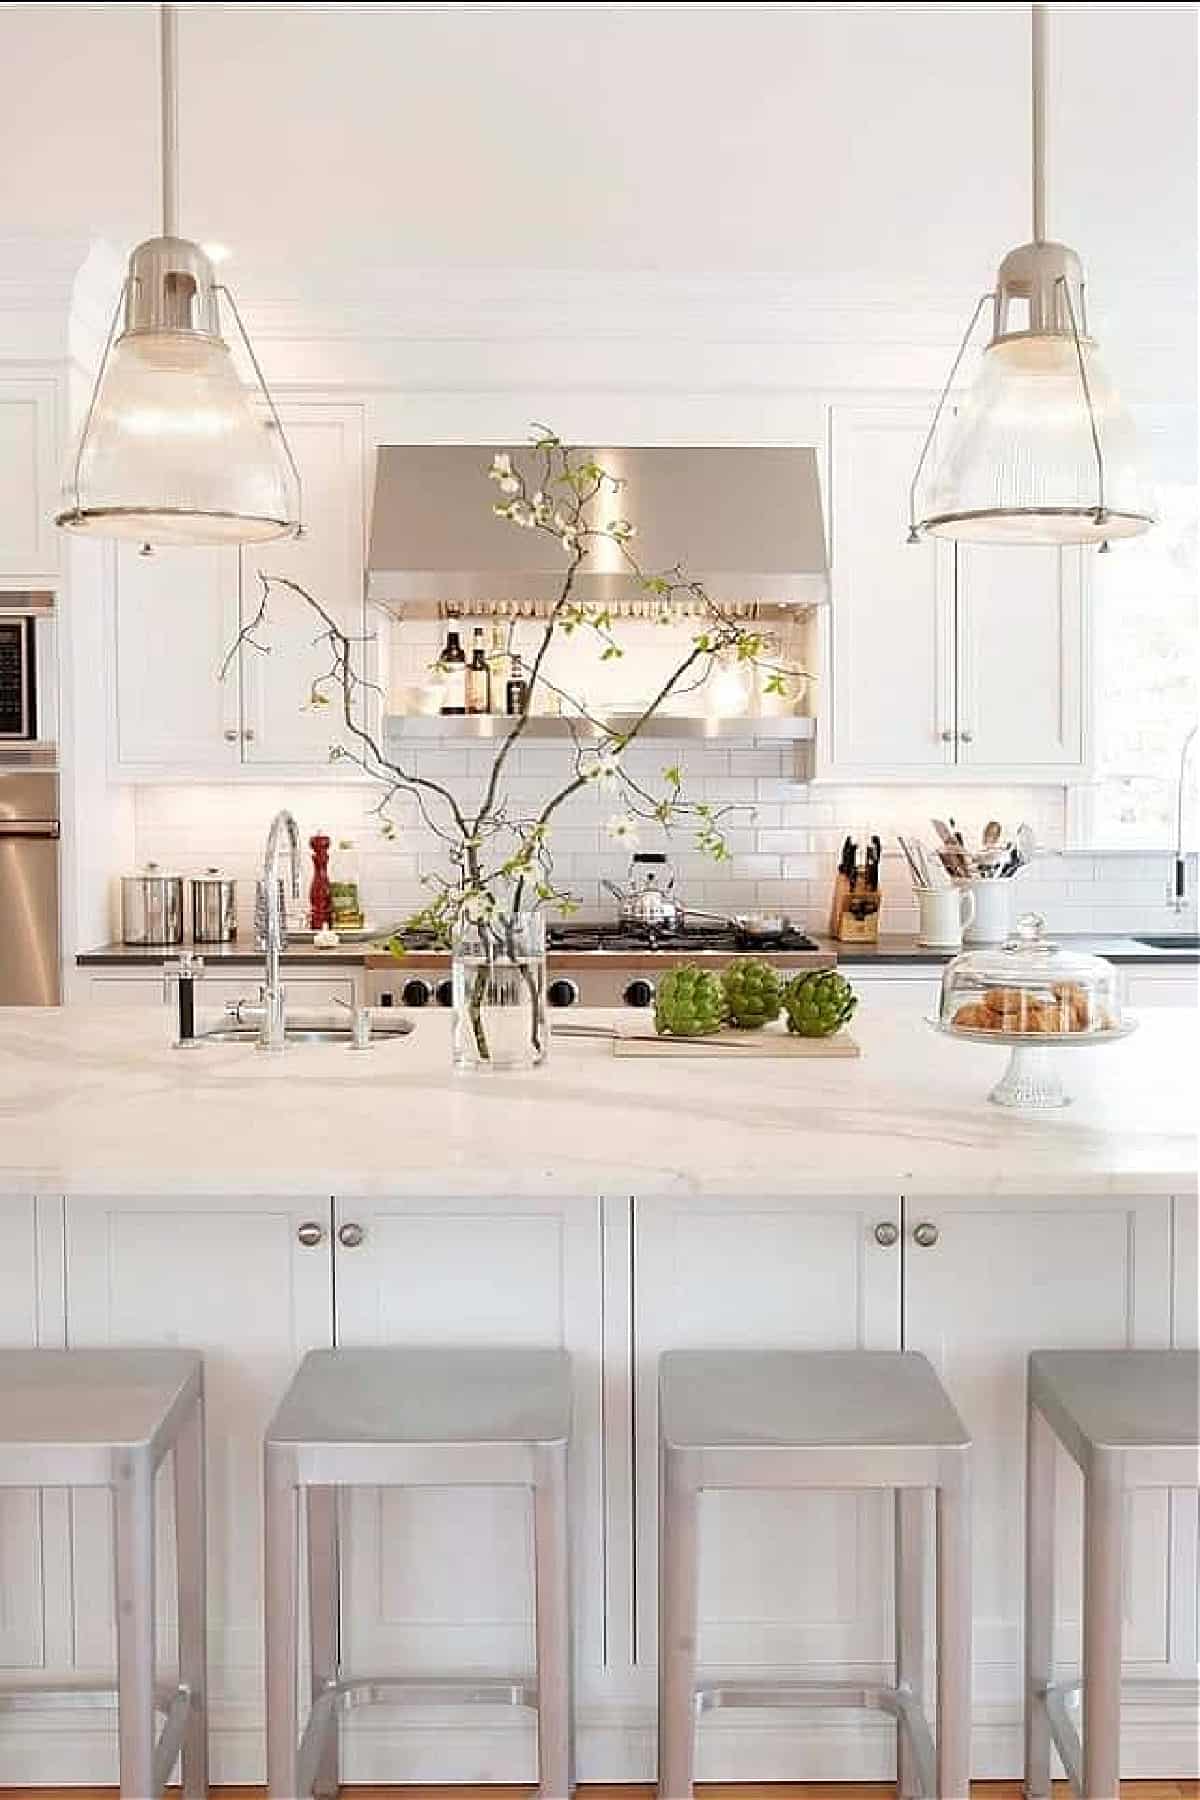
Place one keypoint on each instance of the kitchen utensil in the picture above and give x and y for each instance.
(152, 907)
(648, 899)
(944, 915)
(213, 908)
(952, 851)
(993, 831)
(633, 1039)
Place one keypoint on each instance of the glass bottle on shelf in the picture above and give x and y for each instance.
(453, 666)
(498, 666)
(478, 680)
(516, 688)
(345, 888)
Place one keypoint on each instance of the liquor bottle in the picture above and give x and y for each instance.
(453, 666)
(516, 690)
(478, 681)
(498, 666)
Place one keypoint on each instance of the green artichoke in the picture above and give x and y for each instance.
(753, 993)
(818, 1003)
(689, 1003)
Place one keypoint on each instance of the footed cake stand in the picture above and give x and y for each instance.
(1031, 1081)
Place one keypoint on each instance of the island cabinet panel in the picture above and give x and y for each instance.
(228, 1277)
(440, 1580)
(1004, 1277)
(21, 1636)
(795, 1584)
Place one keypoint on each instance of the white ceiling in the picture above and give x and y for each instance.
(878, 146)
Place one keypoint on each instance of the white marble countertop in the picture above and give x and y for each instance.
(95, 1100)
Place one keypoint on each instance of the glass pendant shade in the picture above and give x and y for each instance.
(174, 449)
(1019, 464)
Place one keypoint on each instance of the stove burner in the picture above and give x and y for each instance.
(579, 936)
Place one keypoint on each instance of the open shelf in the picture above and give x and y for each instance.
(487, 727)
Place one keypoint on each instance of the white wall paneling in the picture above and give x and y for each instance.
(30, 450)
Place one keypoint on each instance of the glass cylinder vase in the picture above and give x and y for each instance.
(499, 1018)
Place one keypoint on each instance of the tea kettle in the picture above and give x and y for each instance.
(648, 900)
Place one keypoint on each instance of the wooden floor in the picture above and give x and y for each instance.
(779, 1790)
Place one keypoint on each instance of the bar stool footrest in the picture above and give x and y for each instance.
(900, 1703)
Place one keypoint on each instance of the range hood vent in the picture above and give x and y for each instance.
(746, 523)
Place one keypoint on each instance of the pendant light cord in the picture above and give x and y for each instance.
(1038, 73)
(168, 26)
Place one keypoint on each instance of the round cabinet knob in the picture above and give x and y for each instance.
(230, 735)
(444, 993)
(925, 1234)
(967, 737)
(886, 1234)
(562, 993)
(947, 737)
(310, 1234)
(248, 734)
(350, 1235)
(416, 992)
(639, 993)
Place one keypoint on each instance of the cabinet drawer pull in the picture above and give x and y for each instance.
(886, 1234)
(966, 737)
(351, 1235)
(248, 734)
(230, 735)
(947, 736)
(925, 1234)
(310, 1234)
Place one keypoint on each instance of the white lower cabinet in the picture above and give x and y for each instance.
(790, 1584)
(22, 1642)
(439, 1581)
(1006, 1276)
(228, 1277)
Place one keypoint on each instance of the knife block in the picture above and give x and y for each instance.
(854, 911)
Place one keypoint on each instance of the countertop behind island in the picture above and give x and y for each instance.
(93, 1100)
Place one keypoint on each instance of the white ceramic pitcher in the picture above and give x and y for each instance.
(992, 922)
(945, 914)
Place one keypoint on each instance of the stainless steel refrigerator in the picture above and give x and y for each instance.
(29, 853)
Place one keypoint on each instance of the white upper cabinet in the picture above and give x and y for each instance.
(965, 663)
(282, 727)
(175, 620)
(29, 538)
(176, 617)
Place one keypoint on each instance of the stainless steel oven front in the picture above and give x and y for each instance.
(28, 680)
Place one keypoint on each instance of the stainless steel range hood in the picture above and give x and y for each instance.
(746, 523)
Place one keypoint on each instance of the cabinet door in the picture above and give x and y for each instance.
(440, 1580)
(228, 1277)
(1021, 654)
(29, 540)
(891, 618)
(1006, 1277)
(281, 725)
(21, 1645)
(175, 619)
(788, 1582)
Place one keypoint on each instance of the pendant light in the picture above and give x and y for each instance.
(1041, 451)
(174, 450)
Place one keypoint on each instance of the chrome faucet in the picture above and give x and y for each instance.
(270, 925)
(1177, 897)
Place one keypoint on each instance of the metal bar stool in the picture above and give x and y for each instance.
(106, 1418)
(818, 1419)
(1129, 1419)
(412, 1417)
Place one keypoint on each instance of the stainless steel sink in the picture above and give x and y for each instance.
(1177, 940)
(306, 1034)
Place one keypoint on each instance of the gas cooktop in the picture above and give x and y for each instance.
(577, 935)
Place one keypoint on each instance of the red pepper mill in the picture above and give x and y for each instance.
(320, 895)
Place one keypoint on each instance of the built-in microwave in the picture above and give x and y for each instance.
(27, 678)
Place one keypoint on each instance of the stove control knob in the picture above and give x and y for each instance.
(444, 993)
(639, 993)
(562, 993)
(416, 992)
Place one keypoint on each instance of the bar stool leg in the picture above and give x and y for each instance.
(323, 1622)
(954, 1632)
(552, 1606)
(283, 1726)
(190, 1549)
(1040, 1453)
(910, 1622)
(678, 1550)
(1103, 1509)
(133, 1509)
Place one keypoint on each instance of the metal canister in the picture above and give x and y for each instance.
(152, 907)
(213, 908)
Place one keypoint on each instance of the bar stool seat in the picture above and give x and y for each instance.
(818, 1419)
(1129, 1419)
(107, 1418)
(414, 1416)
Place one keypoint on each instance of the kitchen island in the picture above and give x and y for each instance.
(257, 1207)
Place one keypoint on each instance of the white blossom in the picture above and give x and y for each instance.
(621, 529)
(477, 906)
(605, 771)
(623, 830)
(501, 469)
(509, 484)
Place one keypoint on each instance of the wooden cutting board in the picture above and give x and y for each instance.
(635, 1039)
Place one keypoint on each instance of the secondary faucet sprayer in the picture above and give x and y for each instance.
(270, 924)
(1178, 894)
